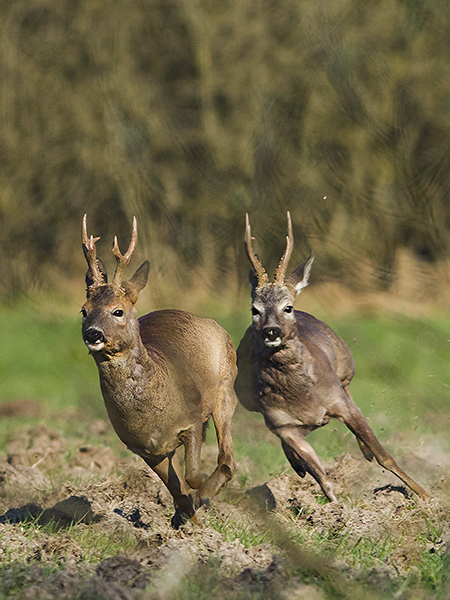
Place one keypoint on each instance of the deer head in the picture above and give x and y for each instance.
(273, 315)
(110, 323)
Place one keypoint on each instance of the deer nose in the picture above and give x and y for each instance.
(92, 336)
(272, 333)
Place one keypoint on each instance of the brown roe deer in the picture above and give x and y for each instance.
(296, 371)
(162, 377)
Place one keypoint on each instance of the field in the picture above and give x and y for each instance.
(84, 518)
(189, 114)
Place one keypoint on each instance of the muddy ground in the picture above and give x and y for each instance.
(72, 492)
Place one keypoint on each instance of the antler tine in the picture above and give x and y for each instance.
(124, 259)
(90, 253)
(281, 269)
(259, 269)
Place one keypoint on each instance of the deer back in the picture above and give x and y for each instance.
(198, 352)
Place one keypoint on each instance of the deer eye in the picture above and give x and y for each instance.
(255, 311)
(83, 313)
(118, 312)
(288, 309)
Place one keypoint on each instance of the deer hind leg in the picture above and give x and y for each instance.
(352, 416)
(169, 472)
(303, 459)
(226, 464)
(193, 454)
(368, 454)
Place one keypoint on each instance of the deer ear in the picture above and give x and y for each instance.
(137, 282)
(139, 279)
(300, 276)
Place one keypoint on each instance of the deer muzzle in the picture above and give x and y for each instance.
(94, 339)
(272, 336)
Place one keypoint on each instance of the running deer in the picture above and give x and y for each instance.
(296, 371)
(162, 377)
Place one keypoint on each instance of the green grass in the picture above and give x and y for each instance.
(44, 358)
(247, 533)
(95, 545)
(402, 363)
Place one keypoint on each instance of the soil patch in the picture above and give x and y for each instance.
(104, 531)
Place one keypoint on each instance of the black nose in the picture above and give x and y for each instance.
(92, 335)
(271, 333)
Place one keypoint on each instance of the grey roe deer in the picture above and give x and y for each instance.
(296, 371)
(162, 377)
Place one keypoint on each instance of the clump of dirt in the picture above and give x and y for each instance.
(22, 407)
(34, 447)
(104, 529)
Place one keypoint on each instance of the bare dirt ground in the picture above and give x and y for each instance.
(87, 493)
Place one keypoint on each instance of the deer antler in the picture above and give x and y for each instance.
(123, 260)
(281, 269)
(254, 259)
(90, 252)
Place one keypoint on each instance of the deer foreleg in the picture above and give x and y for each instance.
(169, 472)
(352, 416)
(303, 458)
(226, 464)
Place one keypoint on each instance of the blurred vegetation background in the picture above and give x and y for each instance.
(189, 113)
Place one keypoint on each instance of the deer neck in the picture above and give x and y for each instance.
(124, 367)
(282, 371)
(136, 395)
(290, 352)
(282, 377)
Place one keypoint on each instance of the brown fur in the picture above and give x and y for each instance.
(296, 371)
(162, 377)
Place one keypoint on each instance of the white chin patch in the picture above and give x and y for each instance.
(273, 343)
(95, 347)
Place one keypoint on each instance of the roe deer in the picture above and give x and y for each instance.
(162, 376)
(296, 371)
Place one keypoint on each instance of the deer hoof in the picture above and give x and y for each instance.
(328, 490)
(196, 520)
(179, 518)
(202, 501)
